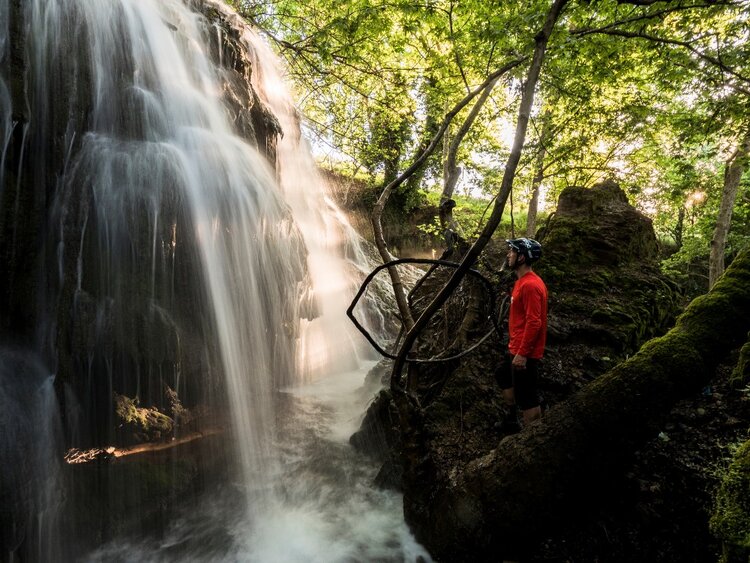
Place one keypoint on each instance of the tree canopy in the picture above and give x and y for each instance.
(652, 93)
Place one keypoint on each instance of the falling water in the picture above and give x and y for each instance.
(327, 342)
(159, 198)
(159, 131)
(6, 124)
(30, 456)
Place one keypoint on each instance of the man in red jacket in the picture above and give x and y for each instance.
(527, 327)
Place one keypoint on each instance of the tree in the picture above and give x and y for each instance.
(536, 182)
(735, 167)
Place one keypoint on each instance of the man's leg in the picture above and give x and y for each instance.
(511, 422)
(526, 393)
(505, 380)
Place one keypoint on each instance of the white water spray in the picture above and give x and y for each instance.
(30, 444)
(328, 342)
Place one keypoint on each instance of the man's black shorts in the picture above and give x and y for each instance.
(523, 381)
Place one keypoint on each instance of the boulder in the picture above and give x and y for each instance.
(607, 294)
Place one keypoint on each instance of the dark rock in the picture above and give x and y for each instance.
(139, 494)
(380, 375)
(379, 429)
(598, 226)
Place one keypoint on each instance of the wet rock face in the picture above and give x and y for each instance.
(379, 439)
(252, 119)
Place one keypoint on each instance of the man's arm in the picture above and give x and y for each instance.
(532, 302)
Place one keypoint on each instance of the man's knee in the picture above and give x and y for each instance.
(509, 396)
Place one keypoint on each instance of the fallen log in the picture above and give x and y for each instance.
(557, 469)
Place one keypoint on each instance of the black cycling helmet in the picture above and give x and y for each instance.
(526, 246)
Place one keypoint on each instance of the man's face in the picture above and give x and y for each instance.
(511, 258)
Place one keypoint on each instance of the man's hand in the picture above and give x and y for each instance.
(519, 361)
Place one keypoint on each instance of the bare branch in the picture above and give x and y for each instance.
(455, 51)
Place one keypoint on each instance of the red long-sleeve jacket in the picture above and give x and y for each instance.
(527, 323)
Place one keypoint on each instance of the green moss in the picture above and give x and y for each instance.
(741, 374)
(730, 521)
(145, 424)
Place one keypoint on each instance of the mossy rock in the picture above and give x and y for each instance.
(731, 518)
(741, 373)
(600, 264)
(138, 424)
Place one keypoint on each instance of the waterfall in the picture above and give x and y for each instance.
(163, 167)
(327, 342)
(31, 483)
(167, 242)
(6, 124)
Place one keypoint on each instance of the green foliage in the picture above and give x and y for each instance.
(470, 214)
(730, 521)
(653, 95)
(689, 264)
(145, 424)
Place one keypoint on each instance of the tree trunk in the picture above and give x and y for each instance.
(431, 126)
(451, 170)
(556, 470)
(451, 173)
(735, 167)
(679, 227)
(538, 177)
